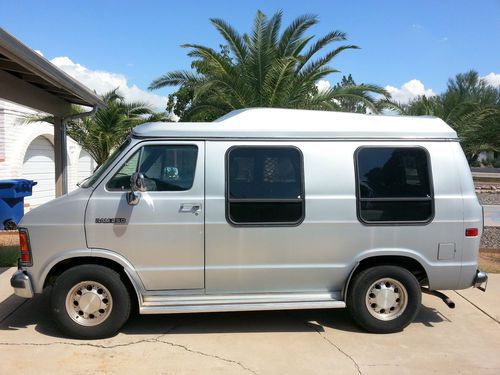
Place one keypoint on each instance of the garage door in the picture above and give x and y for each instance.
(39, 166)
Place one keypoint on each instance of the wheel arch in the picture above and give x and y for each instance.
(127, 274)
(407, 262)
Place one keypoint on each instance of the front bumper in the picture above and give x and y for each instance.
(21, 284)
(480, 279)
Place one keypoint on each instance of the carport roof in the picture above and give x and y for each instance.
(28, 66)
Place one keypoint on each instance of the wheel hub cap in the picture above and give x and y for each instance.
(386, 299)
(89, 303)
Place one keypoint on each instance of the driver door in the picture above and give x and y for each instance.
(163, 235)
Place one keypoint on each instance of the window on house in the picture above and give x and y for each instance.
(394, 185)
(165, 168)
(265, 185)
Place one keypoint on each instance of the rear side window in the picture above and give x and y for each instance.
(394, 185)
(165, 168)
(265, 185)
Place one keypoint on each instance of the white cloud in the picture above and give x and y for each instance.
(323, 85)
(102, 81)
(492, 79)
(408, 91)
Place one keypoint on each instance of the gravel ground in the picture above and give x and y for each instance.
(491, 235)
(489, 198)
(491, 238)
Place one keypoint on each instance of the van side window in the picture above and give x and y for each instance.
(121, 180)
(265, 185)
(394, 185)
(168, 167)
(165, 168)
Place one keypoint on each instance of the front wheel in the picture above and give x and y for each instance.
(90, 302)
(384, 299)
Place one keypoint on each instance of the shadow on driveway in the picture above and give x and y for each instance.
(36, 312)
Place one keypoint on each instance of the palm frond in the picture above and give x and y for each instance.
(324, 60)
(272, 29)
(294, 32)
(235, 41)
(333, 36)
(175, 78)
(209, 56)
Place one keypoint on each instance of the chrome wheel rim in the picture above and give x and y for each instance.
(386, 299)
(89, 303)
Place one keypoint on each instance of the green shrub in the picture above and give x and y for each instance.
(491, 162)
(8, 256)
(475, 163)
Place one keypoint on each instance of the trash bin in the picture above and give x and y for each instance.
(12, 193)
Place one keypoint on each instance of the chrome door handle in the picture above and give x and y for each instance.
(194, 208)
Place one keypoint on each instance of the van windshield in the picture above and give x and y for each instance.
(89, 181)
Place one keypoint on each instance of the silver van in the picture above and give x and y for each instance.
(262, 209)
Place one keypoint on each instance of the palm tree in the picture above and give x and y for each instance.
(264, 68)
(470, 106)
(101, 134)
(352, 103)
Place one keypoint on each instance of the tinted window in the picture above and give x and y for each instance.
(373, 211)
(265, 185)
(168, 168)
(121, 180)
(165, 168)
(394, 184)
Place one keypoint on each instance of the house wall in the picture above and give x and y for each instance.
(485, 155)
(15, 138)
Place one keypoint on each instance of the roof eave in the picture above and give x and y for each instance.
(23, 55)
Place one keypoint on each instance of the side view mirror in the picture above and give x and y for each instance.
(137, 186)
(137, 182)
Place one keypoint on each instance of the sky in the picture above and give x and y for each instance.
(410, 48)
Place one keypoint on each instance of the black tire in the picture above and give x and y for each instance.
(360, 287)
(119, 300)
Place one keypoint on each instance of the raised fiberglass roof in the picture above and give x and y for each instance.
(264, 123)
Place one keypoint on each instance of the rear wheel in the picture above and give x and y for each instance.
(384, 299)
(90, 302)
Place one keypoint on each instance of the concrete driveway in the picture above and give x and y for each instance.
(463, 340)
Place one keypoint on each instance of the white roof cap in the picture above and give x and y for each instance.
(302, 124)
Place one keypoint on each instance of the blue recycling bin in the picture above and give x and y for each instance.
(12, 193)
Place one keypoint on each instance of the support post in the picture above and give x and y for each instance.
(61, 156)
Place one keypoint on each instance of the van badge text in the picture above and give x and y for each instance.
(110, 220)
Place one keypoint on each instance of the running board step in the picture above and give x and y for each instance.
(249, 302)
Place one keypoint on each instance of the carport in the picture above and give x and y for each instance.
(29, 79)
